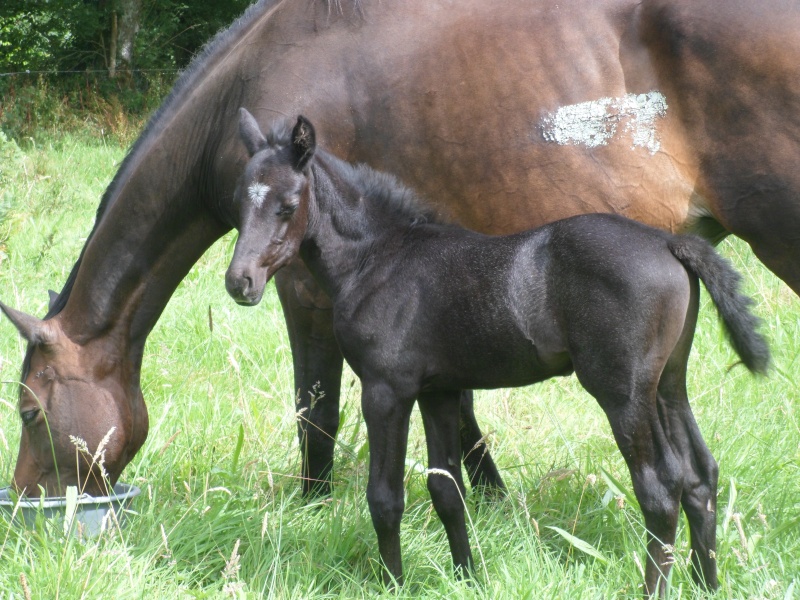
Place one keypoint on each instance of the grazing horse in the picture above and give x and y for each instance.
(678, 113)
(423, 310)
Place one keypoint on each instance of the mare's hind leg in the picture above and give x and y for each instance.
(387, 416)
(700, 471)
(439, 415)
(317, 364)
(483, 473)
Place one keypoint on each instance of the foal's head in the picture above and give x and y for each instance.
(270, 205)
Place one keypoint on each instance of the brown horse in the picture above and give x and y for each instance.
(680, 114)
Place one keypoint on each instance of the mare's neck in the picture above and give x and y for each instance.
(156, 223)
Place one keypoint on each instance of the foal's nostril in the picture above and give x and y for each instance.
(236, 284)
(241, 287)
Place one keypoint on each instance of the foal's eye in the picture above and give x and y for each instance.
(29, 416)
(286, 210)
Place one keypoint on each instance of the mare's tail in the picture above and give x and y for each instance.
(722, 283)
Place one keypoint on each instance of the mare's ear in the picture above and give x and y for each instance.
(36, 331)
(250, 132)
(304, 142)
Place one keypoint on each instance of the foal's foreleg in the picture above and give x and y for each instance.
(483, 473)
(445, 484)
(317, 363)
(387, 418)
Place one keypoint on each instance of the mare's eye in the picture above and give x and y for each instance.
(29, 416)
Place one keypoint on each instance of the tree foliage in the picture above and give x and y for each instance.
(67, 35)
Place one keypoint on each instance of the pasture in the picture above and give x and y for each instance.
(220, 513)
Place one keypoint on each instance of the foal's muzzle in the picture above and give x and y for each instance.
(243, 287)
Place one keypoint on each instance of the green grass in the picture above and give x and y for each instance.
(217, 518)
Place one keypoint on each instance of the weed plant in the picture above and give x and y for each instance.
(40, 109)
(220, 515)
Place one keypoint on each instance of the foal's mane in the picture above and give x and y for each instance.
(384, 191)
(387, 192)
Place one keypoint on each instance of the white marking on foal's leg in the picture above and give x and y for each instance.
(257, 192)
(594, 123)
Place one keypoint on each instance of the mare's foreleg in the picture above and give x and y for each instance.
(483, 473)
(445, 484)
(317, 363)
(387, 417)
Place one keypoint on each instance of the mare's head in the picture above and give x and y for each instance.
(83, 417)
(270, 206)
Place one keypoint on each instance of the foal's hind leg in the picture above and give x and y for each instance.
(656, 475)
(439, 415)
(483, 473)
(699, 498)
(700, 471)
(624, 382)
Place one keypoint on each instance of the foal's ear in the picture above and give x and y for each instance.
(304, 142)
(35, 331)
(250, 132)
(53, 297)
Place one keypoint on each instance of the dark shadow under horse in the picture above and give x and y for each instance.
(423, 310)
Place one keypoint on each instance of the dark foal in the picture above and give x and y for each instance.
(423, 310)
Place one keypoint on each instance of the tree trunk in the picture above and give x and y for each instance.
(112, 48)
(129, 20)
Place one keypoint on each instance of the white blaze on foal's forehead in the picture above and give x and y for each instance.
(257, 192)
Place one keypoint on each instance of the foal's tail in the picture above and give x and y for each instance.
(722, 283)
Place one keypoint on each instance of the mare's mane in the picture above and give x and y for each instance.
(196, 70)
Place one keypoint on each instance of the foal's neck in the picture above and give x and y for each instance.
(345, 224)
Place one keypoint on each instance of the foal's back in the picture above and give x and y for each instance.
(464, 310)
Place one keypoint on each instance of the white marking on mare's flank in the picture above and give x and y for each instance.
(594, 123)
(257, 192)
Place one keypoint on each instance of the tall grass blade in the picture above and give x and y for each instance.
(71, 508)
(237, 451)
(729, 509)
(579, 544)
(618, 489)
